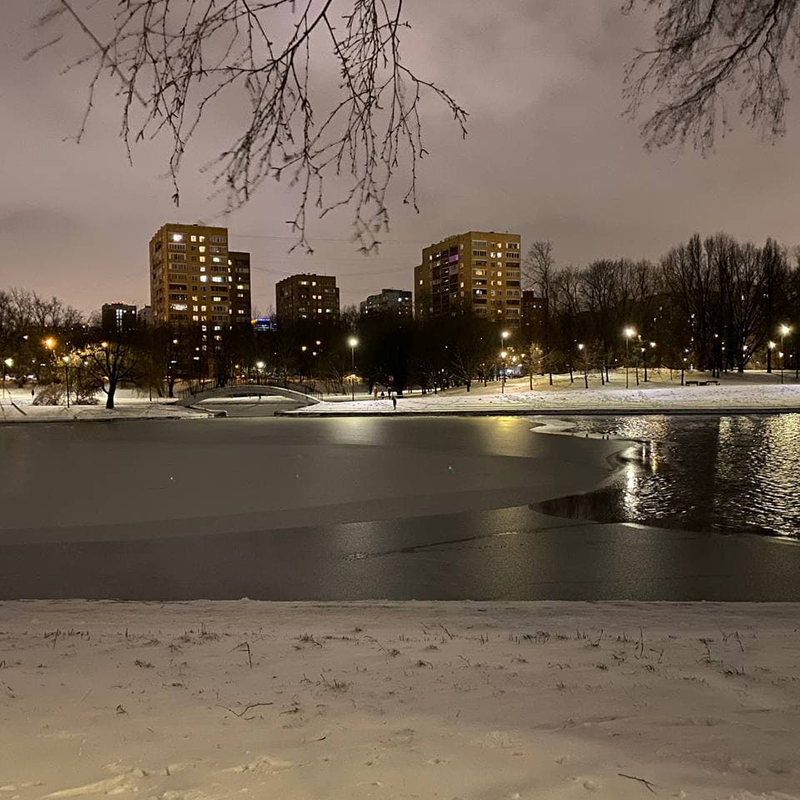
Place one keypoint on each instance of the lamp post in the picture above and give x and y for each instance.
(628, 333)
(582, 349)
(353, 342)
(259, 366)
(65, 359)
(503, 356)
(503, 336)
(785, 331)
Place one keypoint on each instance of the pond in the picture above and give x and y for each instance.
(728, 474)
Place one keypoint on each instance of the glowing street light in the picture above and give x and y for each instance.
(629, 332)
(582, 349)
(353, 342)
(49, 343)
(785, 331)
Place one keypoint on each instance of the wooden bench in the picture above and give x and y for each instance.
(709, 383)
(692, 383)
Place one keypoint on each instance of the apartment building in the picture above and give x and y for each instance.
(306, 296)
(475, 272)
(390, 302)
(240, 295)
(194, 279)
(117, 318)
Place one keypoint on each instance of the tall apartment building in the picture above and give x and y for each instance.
(117, 318)
(190, 278)
(394, 302)
(193, 279)
(477, 272)
(307, 296)
(240, 287)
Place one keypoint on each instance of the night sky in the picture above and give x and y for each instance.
(548, 155)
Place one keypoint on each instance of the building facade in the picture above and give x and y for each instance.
(145, 316)
(117, 318)
(475, 272)
(190, 278)
(240, 293)
(534, 316)
(393, 302)
(306, 296)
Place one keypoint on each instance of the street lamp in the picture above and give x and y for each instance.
(629, 332)
(785, 331)
(259, 366)
(582, 349)
(65, 359)
(353, 342)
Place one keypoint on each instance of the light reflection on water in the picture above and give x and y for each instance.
(730, 474)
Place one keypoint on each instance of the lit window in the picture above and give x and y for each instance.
(177, 237)
(203, 278)
(195, 318)
(202, 248)
(178, 307)
(217, 279)
(194, 238)
(201, 238)
(202, 259)
(216, 259)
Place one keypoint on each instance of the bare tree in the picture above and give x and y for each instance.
(706, 51)
(171, 61)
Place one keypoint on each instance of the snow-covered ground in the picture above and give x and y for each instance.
(16, 406)
(738, 397)
(480, 701)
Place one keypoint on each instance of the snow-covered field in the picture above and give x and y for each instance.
(478, 701)
(662, 399)
(16, 406)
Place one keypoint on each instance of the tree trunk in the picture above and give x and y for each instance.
(112, 388)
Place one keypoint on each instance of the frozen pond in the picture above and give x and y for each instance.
(729, 474)
(374, 508)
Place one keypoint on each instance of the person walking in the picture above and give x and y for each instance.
(394, 402)
(375, 393)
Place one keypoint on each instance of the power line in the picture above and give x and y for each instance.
(316, 239)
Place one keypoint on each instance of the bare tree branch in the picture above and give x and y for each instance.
(176, 58)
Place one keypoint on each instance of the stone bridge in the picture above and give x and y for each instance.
(248, 390)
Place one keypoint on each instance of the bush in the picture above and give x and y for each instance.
(50, 395)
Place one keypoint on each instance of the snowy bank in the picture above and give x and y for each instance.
(29, 413)
(202, 700)
(738, 398)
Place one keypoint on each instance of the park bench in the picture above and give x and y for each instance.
(692, 383)
(709, 383)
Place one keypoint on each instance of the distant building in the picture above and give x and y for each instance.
(117, 318)
(240, 288)
(190, 278)
(534, 314)
(394, 302)
(475, 272)
(264, 324)
(145, 316)
(307, 296)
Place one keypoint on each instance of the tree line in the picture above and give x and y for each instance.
(712, 304)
